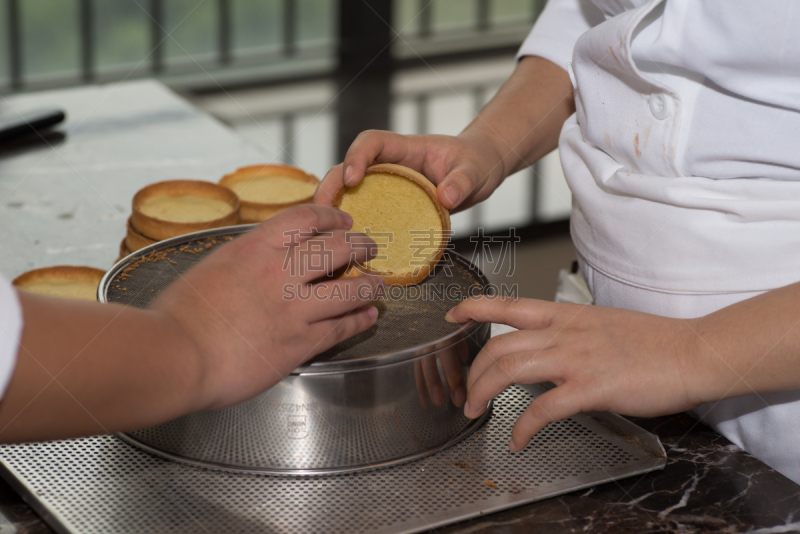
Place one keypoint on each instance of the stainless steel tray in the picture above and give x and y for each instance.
(102, 484)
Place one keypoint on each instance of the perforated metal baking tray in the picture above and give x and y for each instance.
(101, 484)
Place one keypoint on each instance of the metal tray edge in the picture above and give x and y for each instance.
(53, 519)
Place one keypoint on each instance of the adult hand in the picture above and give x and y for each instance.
(517, 127)
(466, 168)
(601, 359)
(252, 311)
(229, 328)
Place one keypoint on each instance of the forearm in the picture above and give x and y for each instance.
(84, 368)
(628, 362)
(220, 334)
(523, 120)
(749, 347)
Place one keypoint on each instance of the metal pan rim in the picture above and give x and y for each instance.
(466, 330)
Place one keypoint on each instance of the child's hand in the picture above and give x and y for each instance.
(466, 169)
(251, 310)
(599, 358)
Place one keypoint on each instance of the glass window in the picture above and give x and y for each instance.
(314, 144)
(510, 11)
(5, 67)
(267, 134)
(511, 204)
(316, 21)
(454, 14)
(311, 136)
(50, 38)
(193, 28)
(406, 16)
(121, 35)
(257, 26)
(450, 112)
(403, 117)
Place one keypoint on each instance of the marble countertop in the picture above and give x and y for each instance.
(708, 485)
(65, 201)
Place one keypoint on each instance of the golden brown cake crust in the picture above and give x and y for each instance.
(60, 272)
(444, 216)
(123, 251)
(134, 240)
(255, 212)
(158, 229)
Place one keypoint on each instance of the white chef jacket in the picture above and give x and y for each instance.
(683, 158)
(10, 332)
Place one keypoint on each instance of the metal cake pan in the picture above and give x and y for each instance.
(364, 404)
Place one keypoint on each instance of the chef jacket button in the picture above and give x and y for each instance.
(660, 106)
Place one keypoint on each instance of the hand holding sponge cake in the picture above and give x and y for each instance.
(399, 209)
(395, 205)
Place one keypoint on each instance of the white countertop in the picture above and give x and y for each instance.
(67, 202)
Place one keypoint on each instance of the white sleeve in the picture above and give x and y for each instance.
(554, 35)
(10, 332)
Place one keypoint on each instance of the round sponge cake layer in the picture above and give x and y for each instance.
(273, 189)
(67, 281)
(70, 289)
(185, 208)
(400, 216)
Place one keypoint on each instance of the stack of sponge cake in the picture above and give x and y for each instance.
(176, 207)
(266, 190)
(66, 281)
(249, 195)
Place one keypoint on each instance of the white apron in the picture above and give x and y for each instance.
(683, 158)
(765, 425)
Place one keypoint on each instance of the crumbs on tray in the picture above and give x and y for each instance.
(195, 247)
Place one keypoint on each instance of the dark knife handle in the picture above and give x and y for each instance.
(29, 122)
